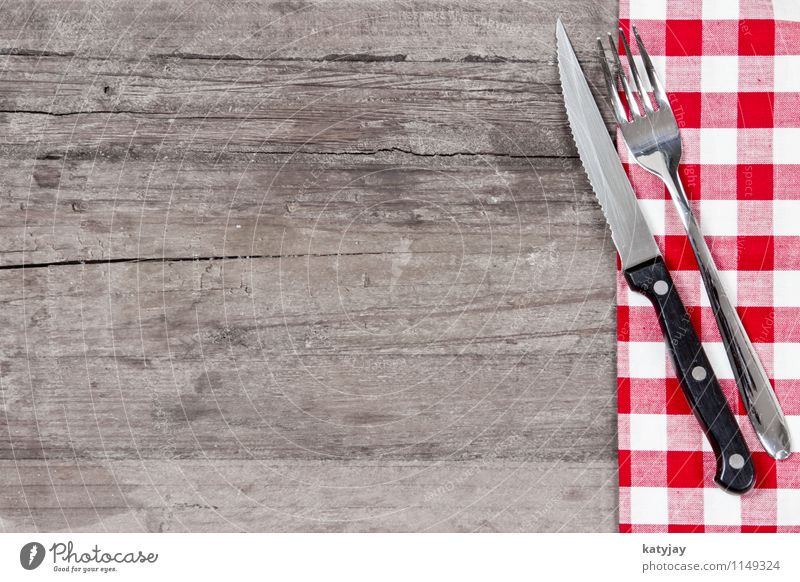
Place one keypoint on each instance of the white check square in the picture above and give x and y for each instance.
(650, 10)
(786, 288)
(721, 508)
(785, 215)
(720, 9)
(647, 360)
(786, 67)
(786, 9)
(719, 74)
(649, 505)
(784, 145)
(788, 502)
(718, 217)
(718, 145)
(648, 432)
(786, 365)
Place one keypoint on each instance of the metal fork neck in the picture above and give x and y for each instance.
(681, 200)
(751, 378)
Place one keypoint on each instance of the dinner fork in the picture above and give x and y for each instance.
(654, 141)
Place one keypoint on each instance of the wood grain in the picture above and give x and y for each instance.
(284, 266)
(364, 30)
(178, 496)
(439, 108)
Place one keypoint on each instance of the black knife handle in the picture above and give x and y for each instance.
(735, 471)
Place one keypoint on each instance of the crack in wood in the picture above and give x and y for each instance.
(332, 57)
(372, 152)
(396, 150)
(76, 262)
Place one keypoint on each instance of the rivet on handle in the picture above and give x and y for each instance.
(736, 461)
(699, 373)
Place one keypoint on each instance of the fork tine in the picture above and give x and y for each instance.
(611, 86)
(632, 105)
(637, 79)
(655, 82)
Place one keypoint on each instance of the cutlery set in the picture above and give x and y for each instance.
(651, 133)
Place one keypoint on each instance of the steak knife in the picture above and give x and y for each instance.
(646, 273)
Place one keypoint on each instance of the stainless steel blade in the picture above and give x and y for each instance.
(629, 230)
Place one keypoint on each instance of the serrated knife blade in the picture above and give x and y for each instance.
(629, 229)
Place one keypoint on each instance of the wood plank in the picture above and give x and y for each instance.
(352, 29)
(103, 108)
(175, 496)
(234, 205)
(422, 356)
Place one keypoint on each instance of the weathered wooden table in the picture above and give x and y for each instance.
(275, 266)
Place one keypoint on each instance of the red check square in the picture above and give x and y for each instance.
(757, 37)
(624, 468)
(624, 395)
(759, 529)
(678, 254)
(623, 323)
(687, 108)
(690, 178)
(756, 253)
(685, 469)
(766, 472)
(685, 528)
(754, 181)
(755, 109)
(684, 38)
(759, 323)
(676, 399)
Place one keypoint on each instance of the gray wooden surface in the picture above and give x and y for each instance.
(295, 266)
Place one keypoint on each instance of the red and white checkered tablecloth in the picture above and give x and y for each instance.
(732, 71)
